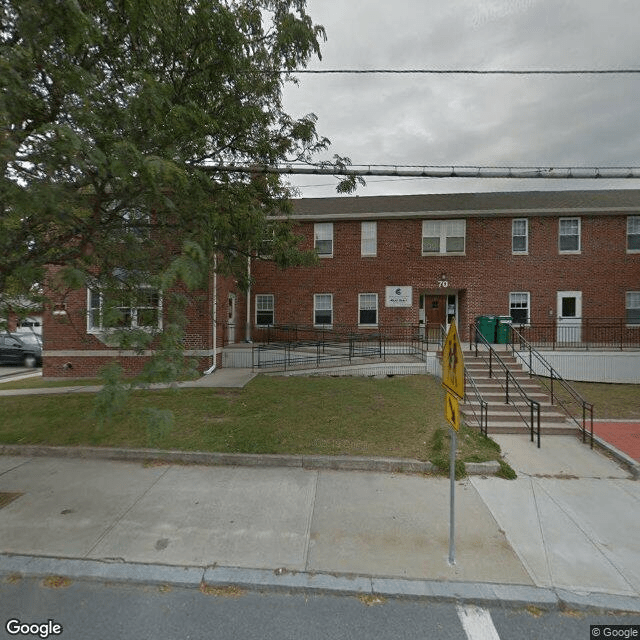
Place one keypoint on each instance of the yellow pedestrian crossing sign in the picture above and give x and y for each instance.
(452, 410)
(453, 363)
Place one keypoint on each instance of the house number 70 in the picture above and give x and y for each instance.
(443, 283)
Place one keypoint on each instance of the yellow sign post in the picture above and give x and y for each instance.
(453, 363)
(452, 411)
(453, 382)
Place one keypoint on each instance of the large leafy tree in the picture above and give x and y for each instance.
(110, 111)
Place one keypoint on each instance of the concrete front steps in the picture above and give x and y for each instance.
(503, 417)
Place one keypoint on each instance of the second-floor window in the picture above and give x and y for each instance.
(443, 237)
(323, 239)
(520, 235)
(633, 233)
(569, 235)
(368, 238)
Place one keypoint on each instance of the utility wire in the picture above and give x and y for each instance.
(513, 72)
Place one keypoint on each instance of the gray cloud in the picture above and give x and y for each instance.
(486, 120)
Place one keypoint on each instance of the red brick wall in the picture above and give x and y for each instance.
(483, 278)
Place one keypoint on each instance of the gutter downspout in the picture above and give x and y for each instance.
(247, 326)
(215, 315)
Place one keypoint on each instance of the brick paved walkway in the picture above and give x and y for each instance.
(622, 435)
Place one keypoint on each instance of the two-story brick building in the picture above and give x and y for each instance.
(548, 258)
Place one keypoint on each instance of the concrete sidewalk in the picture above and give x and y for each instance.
(564, 531)
(221, 378)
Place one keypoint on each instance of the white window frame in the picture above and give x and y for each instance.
(325, 297)
(97, 328)
(516, 298)
(367, 302)
(323, 232)
(632, 301)
(265, 303)
(442, 230)
(561, 235)
(369, 238)
(633, 229)
(519, 235)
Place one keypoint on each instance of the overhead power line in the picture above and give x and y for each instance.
(414, 171)
(513, 72)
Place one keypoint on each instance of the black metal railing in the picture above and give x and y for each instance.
(302, 346)
(483, 406)
(562, 393)
(583, 333)
(511, 385)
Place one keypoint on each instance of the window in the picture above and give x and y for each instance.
(633, 233)
(323, 234)
(264, 310)
(137, 308)
(368, 239)
(443, 236)
(569, 235)
(368, 309)
(633, 307)
(520, 235)
(322, 309)
(519, 307)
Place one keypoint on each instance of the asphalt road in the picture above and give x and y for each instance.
(92, 610)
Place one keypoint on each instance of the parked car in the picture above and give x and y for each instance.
(20, 349)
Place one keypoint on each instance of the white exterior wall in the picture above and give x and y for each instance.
(582, 366)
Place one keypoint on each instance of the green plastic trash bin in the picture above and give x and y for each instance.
(503, 329)
(486, 326)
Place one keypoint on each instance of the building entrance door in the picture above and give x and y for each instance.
(435, 308)
(231, 324)
(569, 317)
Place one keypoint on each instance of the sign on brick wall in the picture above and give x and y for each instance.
(398, 296)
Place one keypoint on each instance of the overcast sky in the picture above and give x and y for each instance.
(528, 120)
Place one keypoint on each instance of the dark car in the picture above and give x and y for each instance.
(20, 349)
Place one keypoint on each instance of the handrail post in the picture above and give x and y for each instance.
(538, 407)
(506, 375)
(490, 362)
(531, 409)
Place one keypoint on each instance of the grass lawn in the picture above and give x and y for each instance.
(37, 382)
(617, 401)
(389, 417)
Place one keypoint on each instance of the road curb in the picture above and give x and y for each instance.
(311, 462)
(283, 580)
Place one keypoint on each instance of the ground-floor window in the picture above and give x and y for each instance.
(368, 309)
(134, 308)
(323, 309)
(264, 310)
(633, 307)
(519, 307)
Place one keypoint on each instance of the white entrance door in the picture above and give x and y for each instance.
(231, 323)
(569, 317)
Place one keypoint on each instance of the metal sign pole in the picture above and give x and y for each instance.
(452, 482)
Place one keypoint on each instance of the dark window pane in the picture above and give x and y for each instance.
(323, 317)
(568, 307)
(633, 243)
(264, 317)
(519, 316)
(568, 243)
(368, 316)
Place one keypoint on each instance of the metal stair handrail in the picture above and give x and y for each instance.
(534, 405)
(483, 420)
(587, 407)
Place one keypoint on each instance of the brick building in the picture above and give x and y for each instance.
(559, 259)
